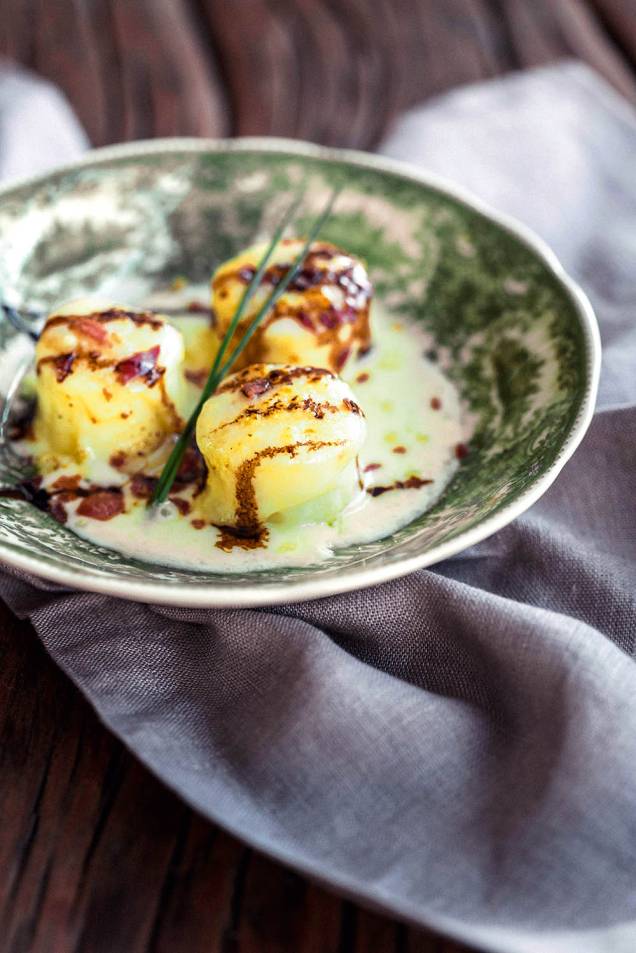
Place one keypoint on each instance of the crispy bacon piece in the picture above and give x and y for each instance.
(461, 451)
(57, 510)
(143, 486)
(102, 505)
(66, 482)
(63, 366)
(256, 387)
(192, 469)
(182, 505)
(141, 364)
(91, 328)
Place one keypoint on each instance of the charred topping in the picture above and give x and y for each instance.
(461, 451)
(256, 387)
(81, 322)
(247, 519)
(315, 311)
(275, 377)
(182, 505)
(67, 482)
(63, 365)
(413, 483)
(229, 539)
(142, 486)
(316, 408)
(91, 328)
(141, 364)
(352, 406)
(102, 505)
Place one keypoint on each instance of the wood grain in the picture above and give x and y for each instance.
(332, 71)
(96, 856)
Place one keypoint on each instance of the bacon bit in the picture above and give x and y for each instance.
(308, 277)
(256, 387)
(91, 328)
(197, 307)
(461, 451)
(102, 505)
(63, 366)
(351, 406)
(142, 486)
(117, 459)
(192, 469)
(436, 403)
(198, 524)
(342, 357)
(305, 319)
(107, 394)
(372, 466)
(182, 505)
(198, 378)
(330, 319)
(57, 510)
(362, 378)
(67, 482)
(399, 449)
(413, 483)
(141, 364)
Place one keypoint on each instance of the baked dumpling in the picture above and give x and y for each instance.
(321, 320)
(108, 387)
(275, 437)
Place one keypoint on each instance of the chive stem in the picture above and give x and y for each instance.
(219, 369)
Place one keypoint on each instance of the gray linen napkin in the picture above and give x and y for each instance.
(457, 747)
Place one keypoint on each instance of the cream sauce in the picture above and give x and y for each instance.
(414, 427)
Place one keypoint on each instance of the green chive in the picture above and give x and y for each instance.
(218, 371)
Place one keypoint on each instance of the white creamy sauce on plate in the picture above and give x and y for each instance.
(413, 430)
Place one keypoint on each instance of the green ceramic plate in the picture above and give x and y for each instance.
(513, 331)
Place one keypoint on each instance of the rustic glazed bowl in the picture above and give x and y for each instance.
(514, 333)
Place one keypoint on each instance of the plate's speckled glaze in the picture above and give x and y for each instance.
(514, 333)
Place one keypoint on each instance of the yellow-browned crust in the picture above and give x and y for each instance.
(274, 377)
(315, 313)
(104, 317)
(247, 521)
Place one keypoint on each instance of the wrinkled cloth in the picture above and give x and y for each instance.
(38, 129)
(457, 747)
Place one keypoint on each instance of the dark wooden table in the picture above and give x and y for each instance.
(95, 854)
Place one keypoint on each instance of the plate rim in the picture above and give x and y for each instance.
(269, 594)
